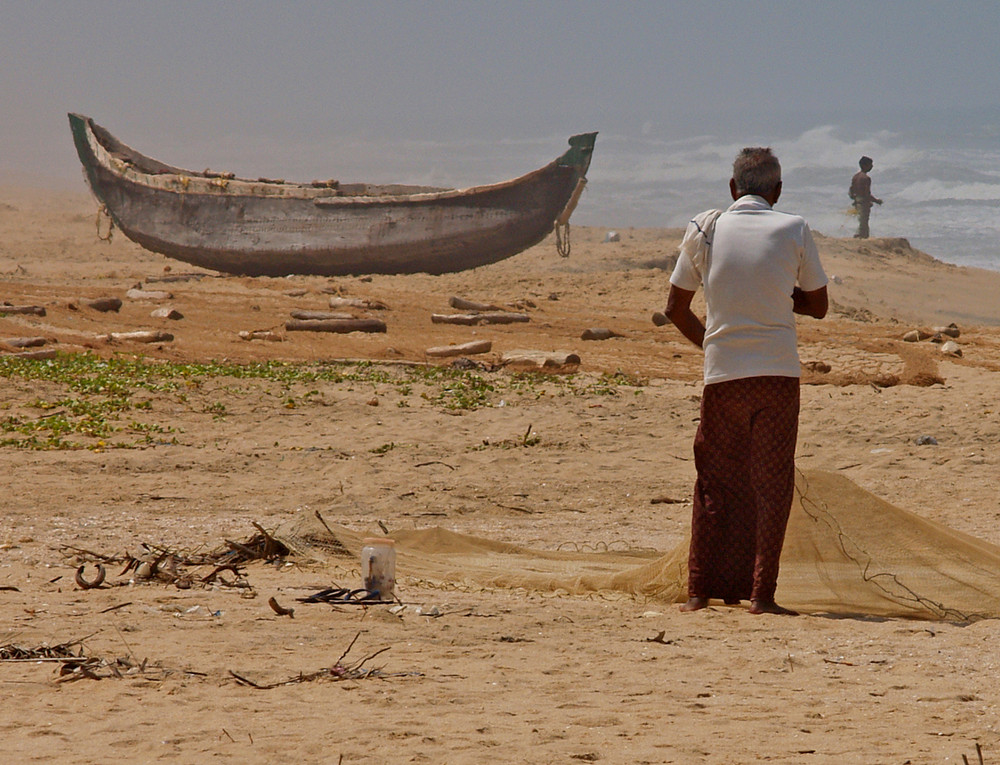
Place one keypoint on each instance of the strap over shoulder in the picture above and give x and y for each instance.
(699, 235)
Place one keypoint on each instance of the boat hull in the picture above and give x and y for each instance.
(256, 229)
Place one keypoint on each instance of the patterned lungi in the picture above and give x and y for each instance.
(745, 456)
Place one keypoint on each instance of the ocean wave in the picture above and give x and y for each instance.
(935, 190)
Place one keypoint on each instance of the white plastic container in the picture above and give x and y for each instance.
(378, 566)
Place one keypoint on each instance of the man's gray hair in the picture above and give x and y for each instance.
(756, 171)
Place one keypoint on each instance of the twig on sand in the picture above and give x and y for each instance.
(979, 754)
(339, 671)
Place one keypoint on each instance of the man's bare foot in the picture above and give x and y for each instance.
(770, 607)
(695, 604)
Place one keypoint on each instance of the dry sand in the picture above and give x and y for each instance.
(504, 675)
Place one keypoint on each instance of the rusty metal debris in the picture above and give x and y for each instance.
(90, 584)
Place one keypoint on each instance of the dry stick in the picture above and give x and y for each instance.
(348, 648)
(372, 656)
(84, 551)
(251, 683)
(269, 543)
(318, 315)
(36, 310)
(471, 319)
(115, 608)
(129, 649)
(335, 325)
(471, 305)
(471, 348)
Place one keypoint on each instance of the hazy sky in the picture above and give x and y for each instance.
(293, 88)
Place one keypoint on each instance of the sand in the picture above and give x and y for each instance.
(472, 674)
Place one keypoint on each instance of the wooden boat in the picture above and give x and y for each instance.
(269, 227)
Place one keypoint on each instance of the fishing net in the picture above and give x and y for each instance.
(846, 552)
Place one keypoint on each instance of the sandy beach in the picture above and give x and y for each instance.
(593, 459)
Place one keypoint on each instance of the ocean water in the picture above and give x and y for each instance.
(938, 174)
(940, 183)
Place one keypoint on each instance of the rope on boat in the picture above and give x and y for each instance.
(103, 211)
(562, 222)
(562, 239)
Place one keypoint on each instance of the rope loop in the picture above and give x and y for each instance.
(102, 211)
(562, 239)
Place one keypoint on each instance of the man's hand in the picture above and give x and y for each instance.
(679, 312)
(813, 303)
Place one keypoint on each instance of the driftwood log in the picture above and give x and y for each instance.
(25, 342)
(175, 278)
(546, 361)
(335, 325)
(471, 305)
(261, 334)
(46, 353)
(365, 303)
(320, 315)
(137, 293)
(35, 310)
(139, 336)
(487, 317)
(465, 349)
(599, 333)
(104, 304)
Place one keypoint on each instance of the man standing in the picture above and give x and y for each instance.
(758, 267)
(861, 195)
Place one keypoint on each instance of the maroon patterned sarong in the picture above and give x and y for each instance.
(745, 456)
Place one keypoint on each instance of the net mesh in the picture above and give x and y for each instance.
(846, 552)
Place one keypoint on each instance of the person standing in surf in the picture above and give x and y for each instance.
(861, 195)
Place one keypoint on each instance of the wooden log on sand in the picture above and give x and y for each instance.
(45, 353)
(260, 334)
(34, 310)
(471, 319)
(364, 303)
(465, 349)
(320, 315)
(545, 361)
(335, 325)
(192, 277)
(471, 305)
(139, 336)
(137, 293)
(599, 333)
(25, 342)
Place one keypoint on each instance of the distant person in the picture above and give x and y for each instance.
(861, 195)
(758, 267)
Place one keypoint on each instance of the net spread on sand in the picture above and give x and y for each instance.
(846, 552)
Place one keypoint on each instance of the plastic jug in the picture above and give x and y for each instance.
(378, 566)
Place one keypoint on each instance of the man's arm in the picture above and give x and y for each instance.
(813, 303)
(679, 312)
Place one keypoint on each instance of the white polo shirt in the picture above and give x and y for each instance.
(755, 258)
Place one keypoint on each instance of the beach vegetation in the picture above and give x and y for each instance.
(129, 401)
